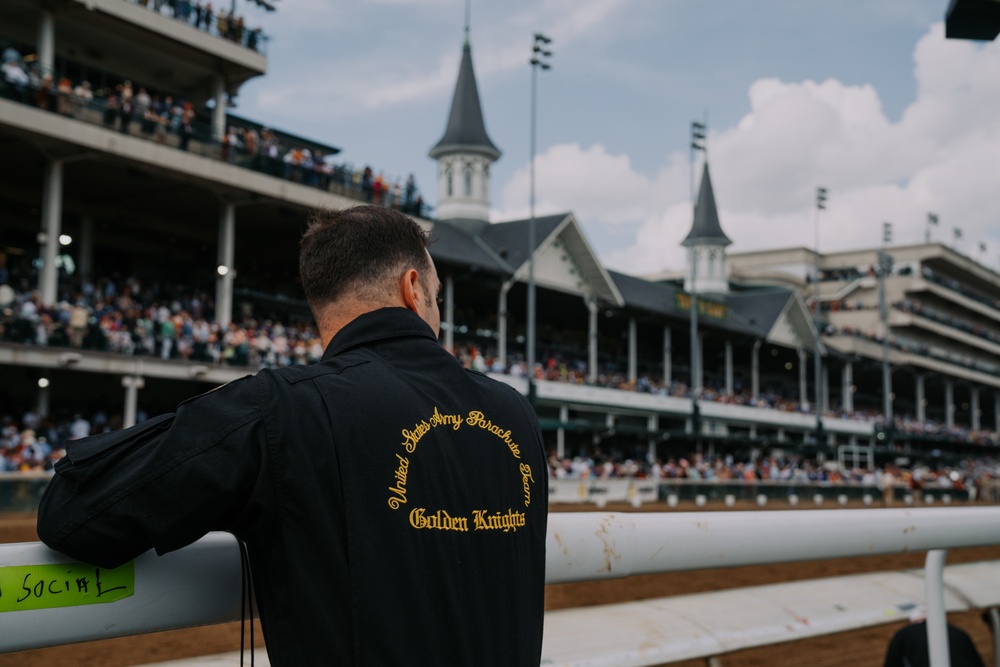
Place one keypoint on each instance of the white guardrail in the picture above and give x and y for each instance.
(42, 590)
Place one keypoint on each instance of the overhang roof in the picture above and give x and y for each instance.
(510, 240)
(453, 245)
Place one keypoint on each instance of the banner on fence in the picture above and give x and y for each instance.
(601, 491)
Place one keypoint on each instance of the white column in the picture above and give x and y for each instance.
(974, 421)
(949, 403)
(847, 386)
(700, 362)
(132, 384)
(226, 273)
(449, 312)
(42, 404)
(755, 369)
(561, 433)
(47, 42)
(85, 260)
(824, 398)
(803, 395)
(921, 400)
(592, 340)
(52, 195)
(653, 426)
(729, 367)
(668, 366)
(219, 112)
(633, 352)
(502, 323)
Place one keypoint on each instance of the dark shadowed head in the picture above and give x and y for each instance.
(359, 253)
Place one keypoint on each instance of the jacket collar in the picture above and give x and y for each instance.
(378, 325)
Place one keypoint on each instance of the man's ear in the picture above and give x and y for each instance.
(411, 291)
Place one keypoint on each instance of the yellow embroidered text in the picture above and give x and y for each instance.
(438, 419)
(398, 492)
(526, 479)
(477, 418)
(482, 520)
(411, 438)
(440, 520)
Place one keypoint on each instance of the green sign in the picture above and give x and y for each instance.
(24, 587)
(706, 308)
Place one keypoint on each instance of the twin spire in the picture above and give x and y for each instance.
(464, 155)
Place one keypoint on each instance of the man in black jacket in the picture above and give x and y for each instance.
(393, 504)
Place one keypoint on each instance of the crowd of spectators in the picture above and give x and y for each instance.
(174, 322)
(969, 474)
(161, 320)
(558, 368)
(917, 307)
(930, 275)
(138, 110)
(34, 443)
(31, 442)
(265, 151)
(924, 349)
(555, 368)
(222, 23)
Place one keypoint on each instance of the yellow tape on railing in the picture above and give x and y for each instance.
(24, 587)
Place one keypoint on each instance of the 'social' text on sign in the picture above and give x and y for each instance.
(24, 587)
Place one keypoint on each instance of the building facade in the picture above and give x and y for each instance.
(149, 253)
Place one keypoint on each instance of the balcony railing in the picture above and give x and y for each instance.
(172, 122)
(221, 24)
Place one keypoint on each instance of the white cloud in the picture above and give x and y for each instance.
(942, 155)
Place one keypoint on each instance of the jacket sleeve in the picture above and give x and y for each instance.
(161, 484)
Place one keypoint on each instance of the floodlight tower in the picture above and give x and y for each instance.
(821, 194)
(884, 268)
(540, 53)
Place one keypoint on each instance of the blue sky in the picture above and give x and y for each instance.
(865, 98)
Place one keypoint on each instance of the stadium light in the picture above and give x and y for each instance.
(821, 196)
(65, 239)
(264, 4)
(539, 53)
(43, 383)
(222, 270)
(697, 143)
(884, 269)
(932, 221)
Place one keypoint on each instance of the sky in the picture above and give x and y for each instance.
(867, 99)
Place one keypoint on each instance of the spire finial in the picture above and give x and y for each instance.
(468, 12)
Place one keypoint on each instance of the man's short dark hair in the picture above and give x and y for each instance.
(360, 251)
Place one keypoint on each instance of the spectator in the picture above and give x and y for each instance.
(81, 98)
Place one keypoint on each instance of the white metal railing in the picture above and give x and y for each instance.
(200, 584)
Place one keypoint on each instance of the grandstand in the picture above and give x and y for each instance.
(149, 242)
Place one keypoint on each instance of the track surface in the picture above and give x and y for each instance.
(863, 648)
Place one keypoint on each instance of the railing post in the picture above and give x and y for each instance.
(937, 622)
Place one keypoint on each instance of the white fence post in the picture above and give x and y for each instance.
(937, 621)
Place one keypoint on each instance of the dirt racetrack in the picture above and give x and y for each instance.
(863, 648)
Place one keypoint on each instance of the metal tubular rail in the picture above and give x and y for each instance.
(592, 545)
(200, 584)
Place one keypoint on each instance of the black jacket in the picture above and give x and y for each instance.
(393, 503)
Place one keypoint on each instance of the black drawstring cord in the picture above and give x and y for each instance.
(246, 601)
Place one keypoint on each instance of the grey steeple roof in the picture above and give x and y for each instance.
(466, 131)
(706, 228)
